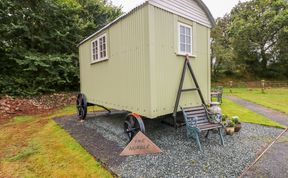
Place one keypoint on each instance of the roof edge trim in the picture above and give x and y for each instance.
(207, 11)
(113, 22)
(200, 3)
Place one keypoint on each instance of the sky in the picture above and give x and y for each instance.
(217, 7)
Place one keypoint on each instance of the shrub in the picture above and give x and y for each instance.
(235, 119)
(39, 74)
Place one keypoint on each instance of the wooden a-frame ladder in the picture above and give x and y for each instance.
(180, 90)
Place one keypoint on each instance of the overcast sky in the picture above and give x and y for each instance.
(218, 7)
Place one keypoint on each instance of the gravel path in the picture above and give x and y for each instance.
(269, 113)
(274, 162)
(103, 137)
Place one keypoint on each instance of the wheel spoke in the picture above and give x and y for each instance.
(131, 120)
(133, 125)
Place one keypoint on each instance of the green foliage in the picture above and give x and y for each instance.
(230, 123)
(41, 73)
(222, 53)
(38, 42)
(224, 117)
(255, 37)
(235, 120)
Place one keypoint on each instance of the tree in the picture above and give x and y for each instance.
(38, 42)
(222, 52)
(257, 29)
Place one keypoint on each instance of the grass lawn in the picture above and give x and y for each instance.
(35, 146)
(275, 98)
(232, 109)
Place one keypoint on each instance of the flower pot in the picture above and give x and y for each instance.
(237, 127)
(229, 130)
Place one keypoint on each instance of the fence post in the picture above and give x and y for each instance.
(263, 86)
(231, 85)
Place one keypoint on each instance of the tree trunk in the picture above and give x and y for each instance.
(264, 60)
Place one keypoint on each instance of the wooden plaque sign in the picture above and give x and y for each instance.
(140, 145)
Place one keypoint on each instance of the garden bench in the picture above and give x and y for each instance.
(198, 120)
(217, 93)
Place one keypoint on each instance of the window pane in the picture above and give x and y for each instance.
(182, 29)
(101, 54)
(104, 46)
(101, 47)
(93, 44)
(188, 48)
(182, 39)
(188, 31)
(188, 40)
(104, 39)
(104, 53)
(94, 51)
(182, 47)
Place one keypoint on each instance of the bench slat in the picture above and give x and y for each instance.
(197, 115)
(196, 112)
(208, 126)
(194, 108)
(203, 124)
(202, 121)
(204, 129)
(198, 118)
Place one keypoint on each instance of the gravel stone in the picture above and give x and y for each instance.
(180, 157)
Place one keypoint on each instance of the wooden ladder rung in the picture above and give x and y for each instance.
(189, 89)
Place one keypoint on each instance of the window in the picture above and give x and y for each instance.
(99, 49)
(185, 39)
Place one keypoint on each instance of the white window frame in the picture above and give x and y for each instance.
(99, 59)
(179, 39)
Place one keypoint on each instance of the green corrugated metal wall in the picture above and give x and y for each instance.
(143, 71)
(122, 81)
(167, 66)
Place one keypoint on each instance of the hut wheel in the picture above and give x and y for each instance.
(81, 105)
(133, 124)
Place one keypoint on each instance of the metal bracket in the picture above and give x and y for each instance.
(108, 110)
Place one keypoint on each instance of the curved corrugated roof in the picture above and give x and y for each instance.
(207, 11)
(142, 3)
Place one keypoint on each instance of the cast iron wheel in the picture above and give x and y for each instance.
(81, 105)
(133, 125)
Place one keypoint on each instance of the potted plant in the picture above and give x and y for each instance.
(224, 119)
(230, 128)
(237, 123)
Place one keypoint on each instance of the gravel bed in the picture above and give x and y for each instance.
(180, 157)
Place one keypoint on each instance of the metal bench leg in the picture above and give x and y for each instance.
(195, 134)
(207, 135)
(198, 142)
(220, 98)
(221, 136)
